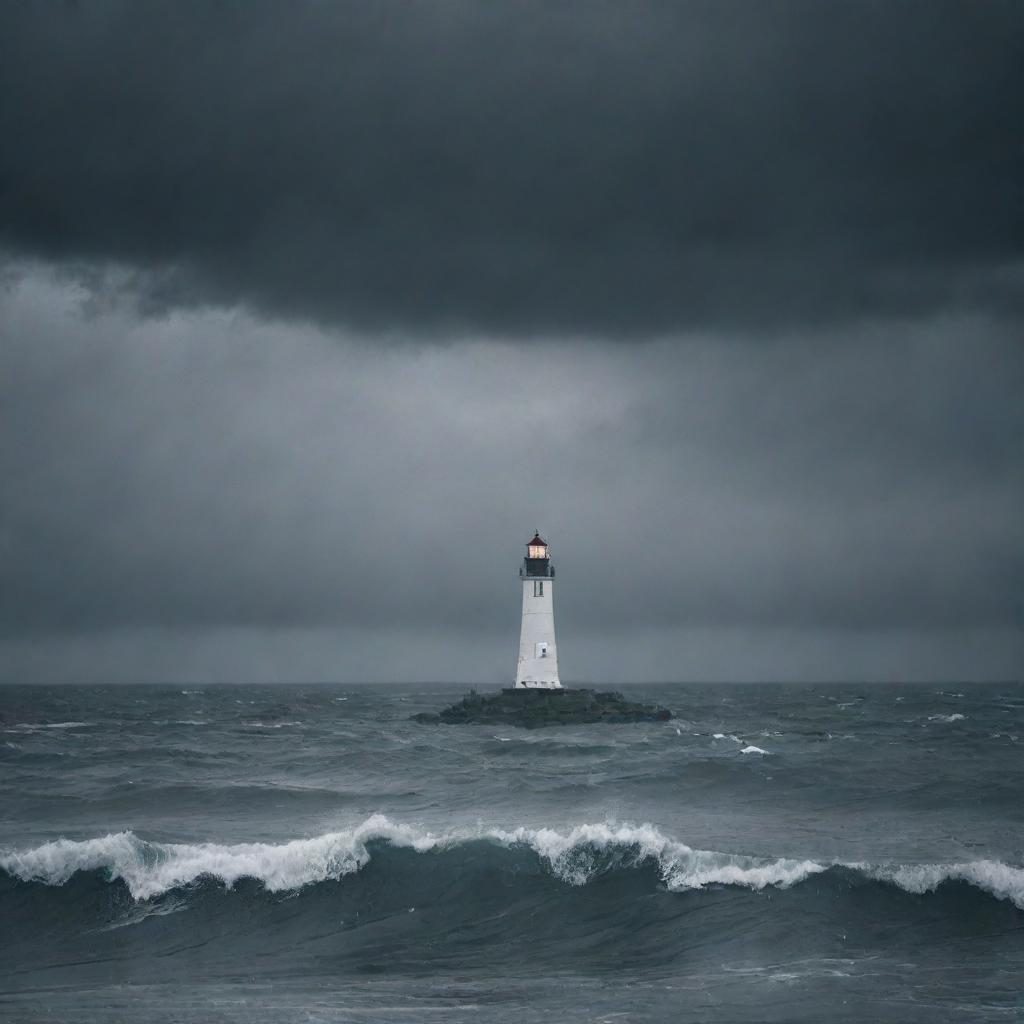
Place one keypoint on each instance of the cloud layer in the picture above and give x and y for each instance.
(526, 167)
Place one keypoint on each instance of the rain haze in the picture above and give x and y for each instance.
(312, 313)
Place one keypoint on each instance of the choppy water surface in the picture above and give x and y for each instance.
(307, 853)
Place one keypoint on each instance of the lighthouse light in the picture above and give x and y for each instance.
(538, 550)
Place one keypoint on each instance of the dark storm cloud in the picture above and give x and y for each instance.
(540, 167)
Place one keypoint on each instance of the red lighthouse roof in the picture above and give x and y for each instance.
(537, 539)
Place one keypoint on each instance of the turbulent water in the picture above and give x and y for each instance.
(307, 853)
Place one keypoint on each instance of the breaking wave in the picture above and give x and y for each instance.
(578, 856)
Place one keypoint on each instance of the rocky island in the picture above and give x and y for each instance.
(533, 708)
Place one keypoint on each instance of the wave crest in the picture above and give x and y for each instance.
(585, 851)
(991, 876)
(149, 869)
(576, 856)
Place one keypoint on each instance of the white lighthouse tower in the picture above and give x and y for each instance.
(538, 655)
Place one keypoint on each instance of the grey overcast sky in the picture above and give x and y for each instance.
(311, 313)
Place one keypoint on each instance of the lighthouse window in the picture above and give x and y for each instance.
(538, 588)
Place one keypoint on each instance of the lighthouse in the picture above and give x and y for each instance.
(538, 655)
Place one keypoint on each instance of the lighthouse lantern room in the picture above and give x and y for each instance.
(538, 655)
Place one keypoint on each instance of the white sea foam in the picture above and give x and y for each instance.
(149, 869)
(35, 726)
(957, 717)
(992, 876)
(585, 851)
(576, 856)
(751, 749)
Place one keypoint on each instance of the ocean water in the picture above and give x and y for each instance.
(307, 853)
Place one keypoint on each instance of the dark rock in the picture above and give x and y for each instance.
(532, 709)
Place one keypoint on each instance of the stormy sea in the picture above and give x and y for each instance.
(308, 853)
